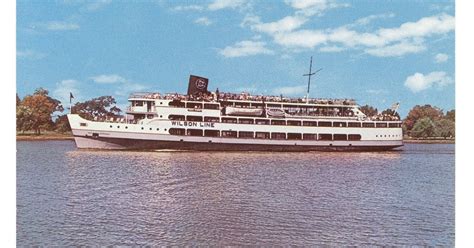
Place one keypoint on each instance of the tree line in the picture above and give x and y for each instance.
(40, 112)
(423, 121)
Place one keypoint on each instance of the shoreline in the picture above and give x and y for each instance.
(46, 137)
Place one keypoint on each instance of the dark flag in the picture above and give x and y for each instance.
(197, 84)
(70, 97)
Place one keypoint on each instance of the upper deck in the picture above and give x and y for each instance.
(244, 97)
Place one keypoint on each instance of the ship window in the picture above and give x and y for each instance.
(211, 106)
(139, 103)
(262, 121)
(211, 133)
(278, 122)
(325, 136)
(294, 123)
(310, 123)
(176, 117)
(149, 116)
(118, 126)
(354, 124)
(324, 124)
(340, 136)
(279, 136)
(229, 134)
(294, 136)
(177, 131)
(194, 105)
(194, 132)
(245, 121)
(310, 136)
(177, 104)
(110, 126)
(211, 119)
(399, 124)
(262, 135)
(368, 124)
(193, 118)
(381, 124)
(339, 124)
(83, 124)
(392, 124)
(151, 128)
(243, 134)
(229, 120)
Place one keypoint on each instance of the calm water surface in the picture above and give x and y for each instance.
(69, 197)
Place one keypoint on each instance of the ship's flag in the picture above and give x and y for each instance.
(197, 84)
(70, 97)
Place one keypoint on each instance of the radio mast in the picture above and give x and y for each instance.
(309, 77)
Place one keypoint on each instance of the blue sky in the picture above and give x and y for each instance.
(377, 52)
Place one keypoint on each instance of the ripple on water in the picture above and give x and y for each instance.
(71, 197)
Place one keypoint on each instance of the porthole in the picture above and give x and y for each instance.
(161, 116)
(110, 126)
(161, 103)
(143, 128)
(157, 129)
(118, 126)
(151, 128)
(126, 127)
(165, 129)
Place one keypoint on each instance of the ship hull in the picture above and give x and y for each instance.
(140, 144)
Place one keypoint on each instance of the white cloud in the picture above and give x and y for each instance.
(96, 5)
(419, 82)
(329, 49)
(224, 4)
(441, 57)
(108, 79)
(368, 19)
(313, 7)
(396, 50)
(57, 26)
(301, 38)
(203, 21)
(245, 48)
(290, 90)
(188, 7)
(408, 38)
(286, 24)
(29, 54)
(64, 88)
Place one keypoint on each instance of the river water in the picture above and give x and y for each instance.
(75, 197)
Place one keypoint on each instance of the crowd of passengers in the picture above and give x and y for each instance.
(245, 96)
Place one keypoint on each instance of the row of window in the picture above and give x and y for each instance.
(284, 122)
(143, 128)
(262, 135)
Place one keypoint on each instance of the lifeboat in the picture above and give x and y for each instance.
(243, 111)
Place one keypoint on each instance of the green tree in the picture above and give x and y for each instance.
(61, 124)
(423, 128)
(369, 111)
(451, 115)
(99, 107)
(444, 128)
(419, 112)
(34, 112)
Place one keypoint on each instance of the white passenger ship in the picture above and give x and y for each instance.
(203, 120)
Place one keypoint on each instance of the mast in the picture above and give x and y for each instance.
(309, 77)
